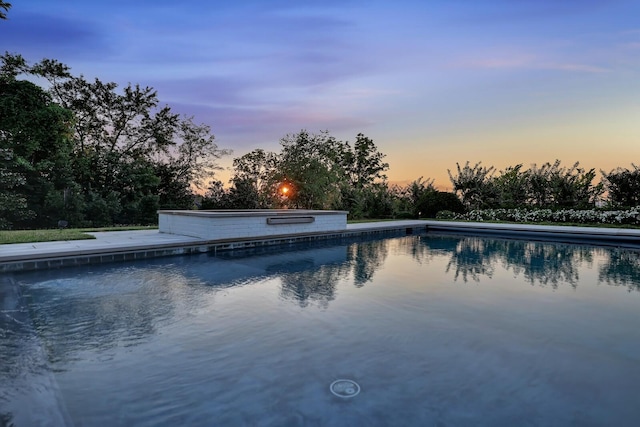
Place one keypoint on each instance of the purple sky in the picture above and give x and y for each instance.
(431, 82)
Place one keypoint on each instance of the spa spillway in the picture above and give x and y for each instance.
(241, 224)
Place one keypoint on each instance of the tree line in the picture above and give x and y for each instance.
(550, 186)
(84, 152)
(92, 154)
(317, 171)
(320, 172)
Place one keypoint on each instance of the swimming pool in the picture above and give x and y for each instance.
(433, 329)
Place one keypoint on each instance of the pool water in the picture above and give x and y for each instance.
(434, 330)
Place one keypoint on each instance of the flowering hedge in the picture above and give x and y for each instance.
(592, 216)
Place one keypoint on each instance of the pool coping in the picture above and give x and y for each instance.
(131, 245)
(614, 236)
(115, 246)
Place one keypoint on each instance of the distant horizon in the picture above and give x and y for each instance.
(432, 83)
(225, 175)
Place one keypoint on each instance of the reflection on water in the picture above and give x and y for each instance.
(309, 281)
(310, 276)
(474, 258)
(80, 342)
(366, 259)
(312, 286)
(621, 269)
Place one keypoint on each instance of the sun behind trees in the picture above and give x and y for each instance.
(318, 171)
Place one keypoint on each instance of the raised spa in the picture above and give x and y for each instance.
(238, 224)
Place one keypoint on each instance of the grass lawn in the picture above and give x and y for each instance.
(32, 236)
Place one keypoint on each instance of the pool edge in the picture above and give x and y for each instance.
(56, 258)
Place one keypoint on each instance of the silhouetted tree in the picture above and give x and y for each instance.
(363, 163)
(4, 6)
(474, 185)
(216, 196)
(511, 187)
(623, 186)
(258, 169)
(431, 202)
(13, 202)
(311, 163)
(364, 192)
(553, 186)
(126, 155)
(35, 137)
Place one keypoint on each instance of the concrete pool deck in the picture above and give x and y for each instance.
(111, 246)
(627, 237)
(129, 245)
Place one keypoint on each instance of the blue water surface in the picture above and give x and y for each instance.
(437, 331)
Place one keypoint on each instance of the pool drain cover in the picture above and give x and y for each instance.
(344, 388)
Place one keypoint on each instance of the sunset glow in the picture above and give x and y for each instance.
(432, 83)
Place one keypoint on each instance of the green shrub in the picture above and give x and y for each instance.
(432, 202)
(405, 215)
